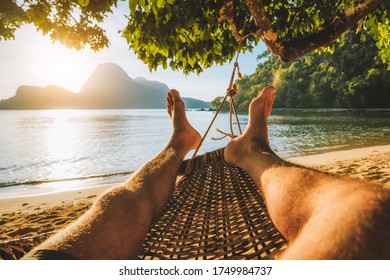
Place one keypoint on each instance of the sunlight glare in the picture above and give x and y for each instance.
(59, 139)
(55, 64)
(60, 142)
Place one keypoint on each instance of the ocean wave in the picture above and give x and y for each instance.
(45, 181)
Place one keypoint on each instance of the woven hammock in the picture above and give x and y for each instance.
(216, 212)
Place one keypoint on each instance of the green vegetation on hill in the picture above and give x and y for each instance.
(353, 76)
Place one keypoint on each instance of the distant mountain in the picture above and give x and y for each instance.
(36, 98)
(109, 87)
(152, 84)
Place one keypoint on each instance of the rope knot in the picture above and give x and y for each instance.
(231, 92)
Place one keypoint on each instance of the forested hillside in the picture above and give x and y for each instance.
(353, 76)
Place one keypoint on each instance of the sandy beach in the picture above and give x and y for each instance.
(34, 215)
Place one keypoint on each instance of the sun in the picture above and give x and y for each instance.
(53, 63)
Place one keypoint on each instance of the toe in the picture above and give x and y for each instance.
(174, 94)
(263, 101)
(170, 98)
(169, 108)
(268, 90)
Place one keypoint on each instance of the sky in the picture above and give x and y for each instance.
(33, 59)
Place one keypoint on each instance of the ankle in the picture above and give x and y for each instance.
(184, 140)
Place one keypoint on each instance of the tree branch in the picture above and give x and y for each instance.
(226, 12)
(290, 50)
(334, 30)
(265, 31)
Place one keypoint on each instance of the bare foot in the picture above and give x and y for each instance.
(255, 137)
(184, 136)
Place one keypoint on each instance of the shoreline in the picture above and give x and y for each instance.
(58, 186)
(31, 215)
(340, 155)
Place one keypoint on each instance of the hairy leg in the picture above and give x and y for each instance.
(321, 215)
(116, 225)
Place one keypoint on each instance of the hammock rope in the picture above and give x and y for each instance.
(230, 93)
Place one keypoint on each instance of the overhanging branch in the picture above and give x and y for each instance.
(265, 31)
(226, 12)
(290, 50)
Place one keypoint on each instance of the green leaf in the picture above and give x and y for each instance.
(160, 3)
(83, 3)
(217, 48)
(133, 6)
(191, 60)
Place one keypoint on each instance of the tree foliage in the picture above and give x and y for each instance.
(74, 23)
(191, 35)
(185, 35)
(169, 33)
(216, 102)
(354, 76)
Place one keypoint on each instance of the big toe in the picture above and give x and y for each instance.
(264, 101)
(269, 89)
(174, 94)
(267, 94)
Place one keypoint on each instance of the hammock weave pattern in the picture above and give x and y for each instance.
(216, 212)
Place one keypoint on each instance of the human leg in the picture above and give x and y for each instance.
(116, 225)
(321, 215)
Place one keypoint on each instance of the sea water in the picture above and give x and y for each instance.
(56, 150)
